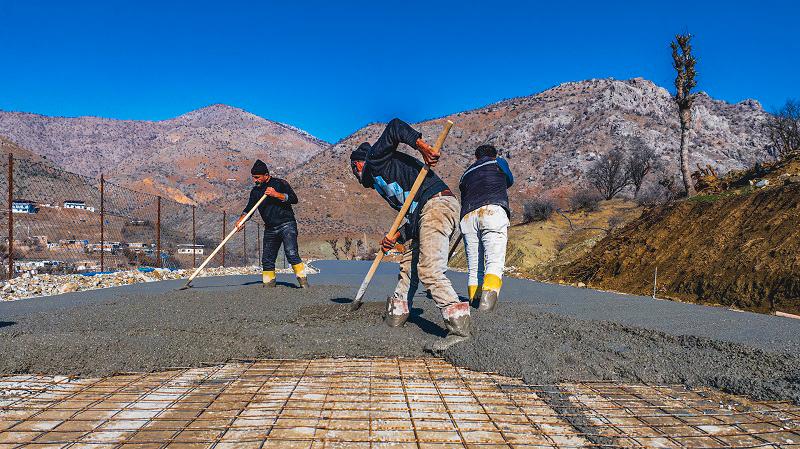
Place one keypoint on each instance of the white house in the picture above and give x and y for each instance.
(75, 204)
(106, 247)
(23, 207)
(188, 248)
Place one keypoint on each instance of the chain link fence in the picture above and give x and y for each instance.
(60, 222)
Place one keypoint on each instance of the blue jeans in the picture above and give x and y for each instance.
(285, 233)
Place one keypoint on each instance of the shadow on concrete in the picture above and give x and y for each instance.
(7, 323)
(427, 326)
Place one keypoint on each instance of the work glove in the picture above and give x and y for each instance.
(274, 193)
(239, 223)
(431, 157)
(388, 243)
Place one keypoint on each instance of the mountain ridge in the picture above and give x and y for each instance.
(550, 139)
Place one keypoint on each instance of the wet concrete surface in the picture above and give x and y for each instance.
(543, 333)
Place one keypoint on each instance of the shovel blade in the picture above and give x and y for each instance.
(356, 304)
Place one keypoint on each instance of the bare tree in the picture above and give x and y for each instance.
(608, 174)
(641, 160)
(784, 129)
(334, 247)
(359, 247)
(683, 61)
(346, 245)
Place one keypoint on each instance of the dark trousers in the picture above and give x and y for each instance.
(285, 233)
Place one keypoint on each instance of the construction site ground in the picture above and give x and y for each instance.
(232, 364)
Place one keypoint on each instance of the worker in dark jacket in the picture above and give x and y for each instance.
(484, 223)
(280, 225)
(428, 226)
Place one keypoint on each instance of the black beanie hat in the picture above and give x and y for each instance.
(259, 168)
(360, 154)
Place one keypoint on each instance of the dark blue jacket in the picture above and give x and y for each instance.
(485, 182)
(273, 211)
(392, 173)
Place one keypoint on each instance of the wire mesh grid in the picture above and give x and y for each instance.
(374, 403)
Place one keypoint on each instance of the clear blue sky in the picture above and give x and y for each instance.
(330, 68)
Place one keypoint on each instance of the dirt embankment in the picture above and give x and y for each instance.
(734, 250)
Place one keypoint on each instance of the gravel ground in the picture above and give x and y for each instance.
(135, 331)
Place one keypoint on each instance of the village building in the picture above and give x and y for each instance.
(188, 248)
(23, 207)
(106, 247)
(75, 204)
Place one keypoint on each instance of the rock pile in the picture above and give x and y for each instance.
(27, 285)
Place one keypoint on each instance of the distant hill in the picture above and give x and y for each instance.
(201, 157)
(550, 140)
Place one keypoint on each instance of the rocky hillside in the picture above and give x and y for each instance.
(550, 139)
(38, 179)
(203, 156)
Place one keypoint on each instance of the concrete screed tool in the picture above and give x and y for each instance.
(358, 300)
(228, 237)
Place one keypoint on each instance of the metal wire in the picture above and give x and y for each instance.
(375, 402)
(71, 237)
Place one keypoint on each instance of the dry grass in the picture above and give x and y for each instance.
(537, 250)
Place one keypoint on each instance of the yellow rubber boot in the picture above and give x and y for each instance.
(491, 292)
(474, 292)
(300, 271)
(268, 278)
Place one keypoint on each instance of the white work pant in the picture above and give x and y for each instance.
(485, 237)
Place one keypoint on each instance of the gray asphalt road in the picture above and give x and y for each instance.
(542, 333)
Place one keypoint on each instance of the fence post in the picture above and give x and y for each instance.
(224, 233)
(194, 242)
(158, 232)
(244, 242)
(102, 222)
(10, 215)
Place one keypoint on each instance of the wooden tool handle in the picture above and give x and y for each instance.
(224, 241)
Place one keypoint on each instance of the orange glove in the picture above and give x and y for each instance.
(388, 243)
(431, 158)
(239, 223)
(274, 193)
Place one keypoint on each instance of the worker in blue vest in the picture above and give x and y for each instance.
(485, 215)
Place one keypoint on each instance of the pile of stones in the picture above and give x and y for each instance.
(32, 285)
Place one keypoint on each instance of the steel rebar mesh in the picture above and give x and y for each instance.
(378, 402)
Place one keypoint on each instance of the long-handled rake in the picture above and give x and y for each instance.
(219, 247)
(358, 300)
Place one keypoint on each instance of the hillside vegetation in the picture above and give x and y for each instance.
(739, 247)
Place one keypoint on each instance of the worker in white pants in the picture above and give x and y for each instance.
(484, 223)
(485, 237)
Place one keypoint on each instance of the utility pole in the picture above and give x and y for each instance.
(10, 215)
(224, 234)
(102, 222)
(258, 242)
(158, 232)
(194, 241)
